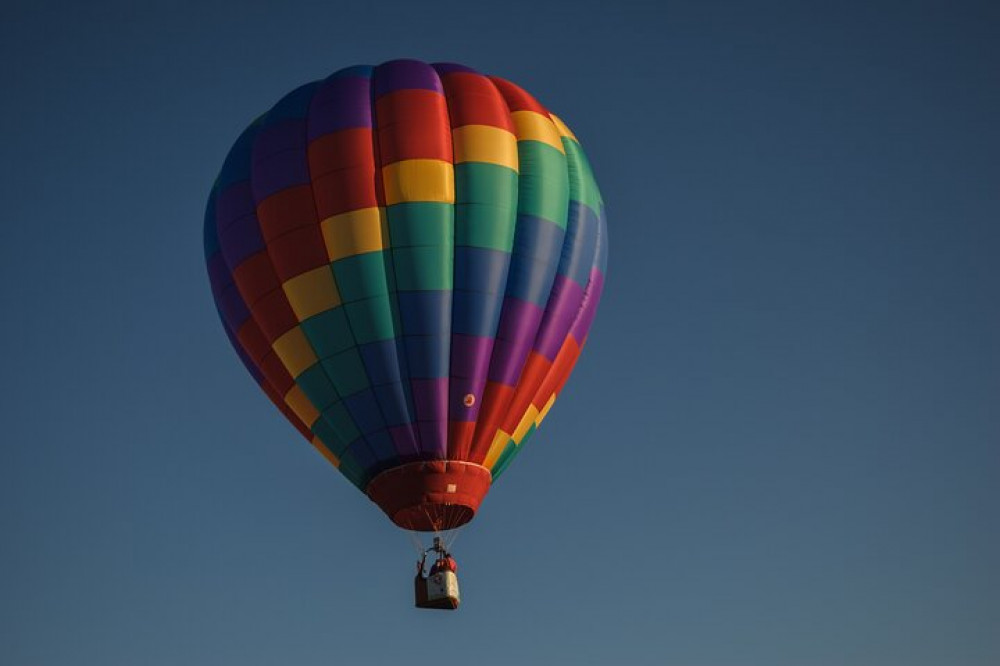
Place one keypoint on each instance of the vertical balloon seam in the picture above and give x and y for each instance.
(345, 468)
(270, 389)
(249, 324)
(476, 346)
(536, 134)
(409, 433)
(213, 256)
(587, 309)
(382, 428)
(454, 285)
(379, 459)
(492, 398)
(266, 121)
(422, 183)
(583, 191)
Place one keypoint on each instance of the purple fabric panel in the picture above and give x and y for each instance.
(232, 203)
(430, 396)
(277, 138)
(245, 358)
(451, 67)
(340, 103)
(405, 440)
(218, 273)
(518, 326)
(520, 319)
(232, 308)
(241, 240)
(590, 301)
(470, 355)
(405, 75)
(564, 303)
(433, 439)
(280, 171)
(470, 358)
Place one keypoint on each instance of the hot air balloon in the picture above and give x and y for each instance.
(408, 258)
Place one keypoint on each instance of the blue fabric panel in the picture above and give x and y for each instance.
(475, 313)
(481, 269)
(425, 312)
(364, 411)
(428, 356)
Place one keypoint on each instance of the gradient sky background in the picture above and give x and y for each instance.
(779, 448)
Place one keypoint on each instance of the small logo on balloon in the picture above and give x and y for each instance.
(469, 400)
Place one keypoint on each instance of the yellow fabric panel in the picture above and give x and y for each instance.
(294, 351)
(312, 292)
(527, 421)
(545, 410)
(327, 453)
(496, 448)
(563, 130)
(299, 403)
(356, 232)
(484, 143)
(419, 180)
(531, 126)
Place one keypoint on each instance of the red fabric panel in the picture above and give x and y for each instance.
(277, 376)
(274, 315)
(517, 98)
(252, 341)
(288, 413)
(297, 252)
(350, 148)
(413, 124)
(255, 277)
(343, 191)
(496, 397)
(473, 100)
(286, 210)
(460, 439)
(557, 375)
(532, 376)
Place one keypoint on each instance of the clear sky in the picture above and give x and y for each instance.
(779, 448)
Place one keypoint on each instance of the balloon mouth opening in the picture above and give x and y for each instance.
(431, 496)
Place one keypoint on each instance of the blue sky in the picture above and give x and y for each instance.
(780, 446)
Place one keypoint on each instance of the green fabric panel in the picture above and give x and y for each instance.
(486, 207)
(347, 372)
(508, 454)
(543, 185)
(348, 467)
(354, 473)
(328, 332)
(371, 319)
(479, 182)
(329, 435)
(582, 186)
(339, 426)
(317, 387)
(361, 276)
(426, 268)
(501, 464)
(485, 226)
(420, 223)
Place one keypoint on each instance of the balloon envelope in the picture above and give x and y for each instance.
(408, 258)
